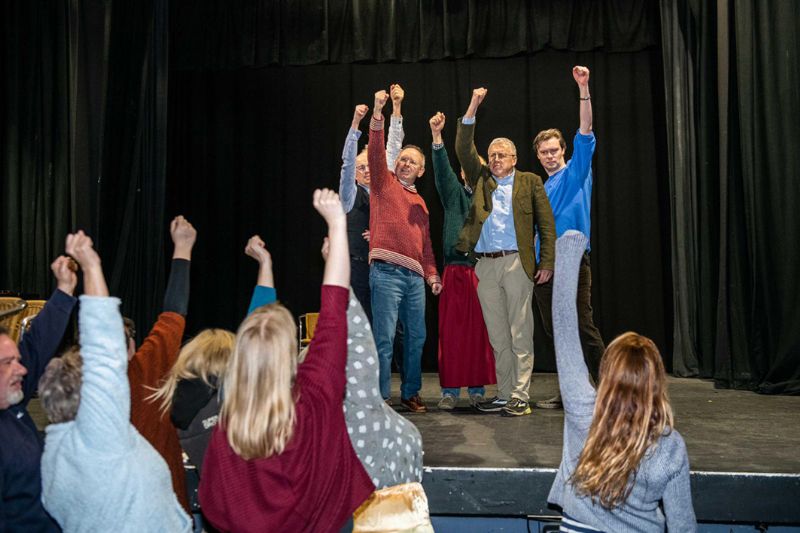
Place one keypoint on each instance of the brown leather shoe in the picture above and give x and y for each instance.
(414, 404)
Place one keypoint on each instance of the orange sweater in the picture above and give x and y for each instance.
(152, 361)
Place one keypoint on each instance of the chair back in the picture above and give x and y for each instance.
(305, 328)
(27, 316)
(11, 309)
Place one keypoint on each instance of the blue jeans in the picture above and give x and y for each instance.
(398, 293)
(470, 390)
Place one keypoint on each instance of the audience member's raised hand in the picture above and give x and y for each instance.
(478, 95)
(327, 204)
(64, 269)
(80, 247)
(337, 265)
(183, 237)
(359, 113)
(437, 125)
(380, 100)
(256, 249)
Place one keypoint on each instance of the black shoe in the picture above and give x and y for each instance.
(492, 405)
(516, 407)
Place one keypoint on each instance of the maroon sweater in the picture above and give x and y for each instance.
(399, 231)
(318, 481)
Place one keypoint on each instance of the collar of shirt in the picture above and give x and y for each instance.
(365, 187)
(508, 179)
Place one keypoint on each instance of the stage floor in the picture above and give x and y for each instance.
(743, 450)
(724, 430)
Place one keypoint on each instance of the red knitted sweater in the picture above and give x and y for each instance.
(152, 361)
(318, 481)
(399, 230)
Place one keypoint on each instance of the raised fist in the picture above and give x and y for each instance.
(80, 247)
(327, 204)
(397, 93)
(437, 123)
(478, 95)
(359, 113)
(380, 100)
(581, 75)
(257, 250)
(182, 232)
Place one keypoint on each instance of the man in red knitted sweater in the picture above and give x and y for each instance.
(148, 365)
(401, 259)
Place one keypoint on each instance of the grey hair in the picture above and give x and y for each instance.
(504, 140)
(60, 386)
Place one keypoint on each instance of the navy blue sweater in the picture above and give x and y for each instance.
(20, 443)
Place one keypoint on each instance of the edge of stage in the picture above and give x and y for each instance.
(744, 450)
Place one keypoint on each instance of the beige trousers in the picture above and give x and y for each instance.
(506, 295)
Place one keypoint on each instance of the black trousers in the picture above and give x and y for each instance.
(591, 340)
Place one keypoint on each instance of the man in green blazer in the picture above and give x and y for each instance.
(508, 208)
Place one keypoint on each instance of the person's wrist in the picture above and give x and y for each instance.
(182, 252)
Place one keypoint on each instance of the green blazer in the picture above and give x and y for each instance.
(530, 206)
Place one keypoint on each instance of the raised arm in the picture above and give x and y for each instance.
(337, 267)
(466, 152)
(581, 75)
(577, 392)
(104, 410)
(160, 348)
(347, 176)
(394, 143)
(39, 345)
(264, 291)
(376, 155)
(444, 178)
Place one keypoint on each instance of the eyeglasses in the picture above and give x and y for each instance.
(500, 155)
(361, 168)
(408, 161)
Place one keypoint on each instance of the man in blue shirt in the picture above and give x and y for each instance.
(569, 189)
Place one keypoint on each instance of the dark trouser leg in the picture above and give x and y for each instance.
(591, 340)
(359, 280)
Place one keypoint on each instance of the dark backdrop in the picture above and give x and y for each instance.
(247, 146)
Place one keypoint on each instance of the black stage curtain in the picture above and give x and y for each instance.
(35, 177)
(131, 188)
(219, 34)
(83, 141)
(247, 147)
(732, 98)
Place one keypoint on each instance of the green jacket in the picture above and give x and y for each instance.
(456, 202)
(529, 205)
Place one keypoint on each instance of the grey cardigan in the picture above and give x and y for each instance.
(662, 476)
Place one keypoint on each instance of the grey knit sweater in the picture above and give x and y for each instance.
(663, 474)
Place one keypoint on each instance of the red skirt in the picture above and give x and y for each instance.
(465, 355)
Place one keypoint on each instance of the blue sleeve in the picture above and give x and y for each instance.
(262, 296)
(39, 345)
(580, 166)
(347, 176)
(103, 418)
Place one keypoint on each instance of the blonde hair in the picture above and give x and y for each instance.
(631, 413)
(203, 357)
(60, 386)
(258, 409)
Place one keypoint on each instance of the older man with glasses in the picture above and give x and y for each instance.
(401, 259)
(508, 206)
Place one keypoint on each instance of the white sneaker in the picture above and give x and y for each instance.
(448, 402)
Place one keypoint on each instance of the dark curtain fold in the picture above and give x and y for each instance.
(131, 189)
(219, 34)
(732, 94)
(35, 174)
(247, 147)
